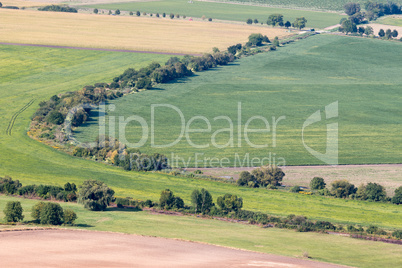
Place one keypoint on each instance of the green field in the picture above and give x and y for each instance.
(390, 21)
(43, 72)
(320, 247)
(224, 11)
(363, 75)
(311, 4)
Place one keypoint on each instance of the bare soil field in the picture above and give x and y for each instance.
(65, 248)
(390, 176)
(123, 32)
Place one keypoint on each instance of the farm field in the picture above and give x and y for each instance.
(312, 4)
(389, 176)
(223, 11)
(23, 3)
(390, 20)
(362, 75)
(321, 247)
(377, 27)
(114, 32)
(43, 72)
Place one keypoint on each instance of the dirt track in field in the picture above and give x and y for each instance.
(67, 248)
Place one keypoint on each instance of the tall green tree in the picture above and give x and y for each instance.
(300, 23)
(201, 200)
(349, 27)
(13, 211)
(381, 33)
(95, 195)
(375, 192)
(351, 8)
(275, 19)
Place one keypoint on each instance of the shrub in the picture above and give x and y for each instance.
(249, 21)
(117, 12)
(317, 183)
(95, 195)
(96, 11)
(13, 212)
(375, 192)
(55, 117)
(36, 209)
(8, 185)
(51, 213)
(69, 216)
(397, 199)
(171, 15)
(229, 203)
(397, 234)
(164, 14)
(295, 189)
(166, 199)
(131, 13)
(209, 19)
(138, 13)
(342, 188)
(372, 229)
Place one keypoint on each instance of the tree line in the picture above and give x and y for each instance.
(57, 8)
(97, 196)
(277, 20)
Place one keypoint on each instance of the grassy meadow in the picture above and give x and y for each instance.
(363, 75)
(390, 20)
(223, 11)
(311, 4)
(123, 32)
(320, 247)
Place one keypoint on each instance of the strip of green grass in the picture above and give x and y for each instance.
(390, 21)
(223, 11)
(312, 4)
(321, 247)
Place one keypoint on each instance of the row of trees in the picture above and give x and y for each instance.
(14, 187)
(344, 189)
(348, 26)
(277, 20)
(43, 213)
(57, 8)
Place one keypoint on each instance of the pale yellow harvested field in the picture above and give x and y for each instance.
(377, 27)
(23, 3)
(123, 32)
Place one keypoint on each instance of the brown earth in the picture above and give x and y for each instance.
(67, 248)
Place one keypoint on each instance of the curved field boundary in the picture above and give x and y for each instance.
(15, 115)
(100, 49)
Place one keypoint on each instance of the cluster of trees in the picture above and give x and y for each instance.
(374, 10)
(388, 34)
(133, 159)
(95, 195)
(57, 8)
(277, 20)
(257, 39)
(268, 176)
(14, 187)
(42, 212)
(344, 189)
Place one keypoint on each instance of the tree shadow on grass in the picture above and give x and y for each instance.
(124, 209)
(83, 225)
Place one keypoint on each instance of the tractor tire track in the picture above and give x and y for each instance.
(15, 115)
